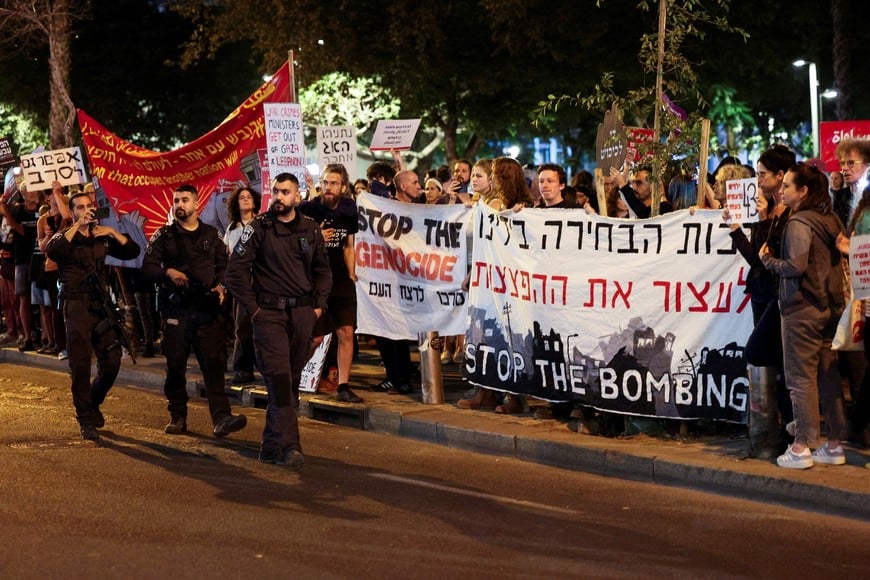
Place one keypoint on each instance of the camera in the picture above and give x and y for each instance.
(101, 213)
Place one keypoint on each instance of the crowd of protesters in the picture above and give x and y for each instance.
(794, 252)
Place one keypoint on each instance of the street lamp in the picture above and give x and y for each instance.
(828, 94)
(814, 101)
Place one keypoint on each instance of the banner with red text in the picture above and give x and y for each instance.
(642, 317)
(410, 264)
(136, 178)
(832, 132)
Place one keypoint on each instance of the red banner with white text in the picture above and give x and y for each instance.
(140, 179)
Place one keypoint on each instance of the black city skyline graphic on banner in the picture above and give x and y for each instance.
(631, 371)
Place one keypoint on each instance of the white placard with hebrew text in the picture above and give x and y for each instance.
(62, 165)
(741, 199)
(395, 134)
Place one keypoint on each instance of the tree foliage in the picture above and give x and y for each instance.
(49, 22)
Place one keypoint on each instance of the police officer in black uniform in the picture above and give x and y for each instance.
(279, 272)
(187, 259)
(80, 252)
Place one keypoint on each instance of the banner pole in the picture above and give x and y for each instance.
(291, 67)
(703, 157)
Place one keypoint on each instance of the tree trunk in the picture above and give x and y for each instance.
(841, 62)
(61, 111)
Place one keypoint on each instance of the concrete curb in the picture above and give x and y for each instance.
(590, 456)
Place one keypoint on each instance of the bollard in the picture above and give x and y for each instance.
(430, 346)
(764, 433)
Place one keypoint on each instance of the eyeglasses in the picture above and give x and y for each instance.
(276, 191)
(850, 163)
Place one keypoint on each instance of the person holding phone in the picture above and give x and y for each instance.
(80, 252)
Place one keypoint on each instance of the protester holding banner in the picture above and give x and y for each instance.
(242, 207)
(481, 184)
(461, 178)
(80, 252)
(811, 301)
(380, 176)
(187, 259)
(22, 217)
(396, 354)
(279, 272)
(510, 188)
(764, 347)
(552, 181)
(859, 422)
(638, 195)
(682, 191)
(336, 214)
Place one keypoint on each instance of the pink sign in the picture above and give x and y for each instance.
(832, 132)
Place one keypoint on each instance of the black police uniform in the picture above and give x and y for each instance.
(192, 317)
(81, 265)
(279, 272)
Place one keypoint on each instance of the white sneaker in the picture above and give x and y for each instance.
(62, 355)
(792, 460)
(830, 456)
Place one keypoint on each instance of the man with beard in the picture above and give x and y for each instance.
(279, 272)
(80, 252)
(336, 213)
(187, 259)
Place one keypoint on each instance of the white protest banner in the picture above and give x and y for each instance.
(62, 165)
(285, 146)
(645, 317)
(311, 371)
(410, 264)
(336, 145)
(859, 266)
(395, 134)
(741, 199)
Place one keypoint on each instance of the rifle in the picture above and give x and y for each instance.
(114, 319)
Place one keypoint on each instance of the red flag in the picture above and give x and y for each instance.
(135, 178)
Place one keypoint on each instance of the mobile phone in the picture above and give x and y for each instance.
(101, 213)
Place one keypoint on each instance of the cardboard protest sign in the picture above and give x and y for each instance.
(741, 199)
(7, 158)
(395, 134)
(336, 145)
(285, 144)
(310, 377)
(62, 165)
(610, 142)
(859, 265)
(635, 138)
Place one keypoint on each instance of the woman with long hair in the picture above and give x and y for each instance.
(810, 302)
(509, 189)
(242, 207)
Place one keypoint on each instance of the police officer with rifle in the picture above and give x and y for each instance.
(80, 252)
(187, 260)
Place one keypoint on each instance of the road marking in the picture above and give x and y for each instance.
(475, 494)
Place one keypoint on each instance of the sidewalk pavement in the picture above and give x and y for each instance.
(715, 464)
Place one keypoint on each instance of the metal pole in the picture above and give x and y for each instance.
(814, 107)
(432, 385)
(764, 434)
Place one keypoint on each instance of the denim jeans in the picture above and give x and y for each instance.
(811, 372)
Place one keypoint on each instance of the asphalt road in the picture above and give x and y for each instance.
(143, 504)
